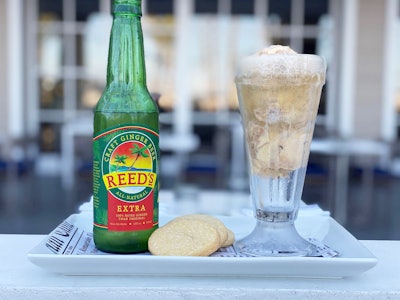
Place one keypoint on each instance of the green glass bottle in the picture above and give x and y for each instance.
(125, 142)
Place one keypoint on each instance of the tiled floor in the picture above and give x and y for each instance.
(32, 204)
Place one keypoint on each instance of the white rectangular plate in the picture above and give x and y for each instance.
(354, 258)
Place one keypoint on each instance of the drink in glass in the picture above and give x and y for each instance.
(279, 93)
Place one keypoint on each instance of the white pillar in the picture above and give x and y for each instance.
(391, 53)
(348, 67)
(333, 78)
(3, 74)
(296, 30)
(369, 115)
(14, 66)
(182, 117)
(105, 6)
(223, 26)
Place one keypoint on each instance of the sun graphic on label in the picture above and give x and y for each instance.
(132, 156)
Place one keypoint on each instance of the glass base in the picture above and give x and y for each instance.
(275, 239)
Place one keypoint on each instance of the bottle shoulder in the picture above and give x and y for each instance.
(122, 100)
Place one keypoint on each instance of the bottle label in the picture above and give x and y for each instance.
(125, 178)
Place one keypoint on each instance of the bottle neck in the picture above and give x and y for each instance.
(126, 64)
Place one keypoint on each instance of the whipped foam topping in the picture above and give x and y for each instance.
(276, 49)
(278, 61)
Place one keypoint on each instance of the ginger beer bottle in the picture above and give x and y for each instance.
(125, 142)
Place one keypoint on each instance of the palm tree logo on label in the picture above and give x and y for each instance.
(129, 174)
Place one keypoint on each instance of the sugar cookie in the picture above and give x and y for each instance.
(213, 221)
(184, 237)
(230, 240)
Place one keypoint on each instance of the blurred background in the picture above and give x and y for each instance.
(53, 56)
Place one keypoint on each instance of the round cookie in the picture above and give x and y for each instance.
(213, 221)
(184, 237)
(230, 240)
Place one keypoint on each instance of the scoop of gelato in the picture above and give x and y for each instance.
(279, 92)
(276, 49)
(280, 63)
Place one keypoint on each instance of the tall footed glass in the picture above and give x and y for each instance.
(279, 93)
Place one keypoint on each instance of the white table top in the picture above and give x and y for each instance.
(20, 279)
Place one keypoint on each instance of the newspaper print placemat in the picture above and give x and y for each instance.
(69, 239)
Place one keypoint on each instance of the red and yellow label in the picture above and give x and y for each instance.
(125, 178)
